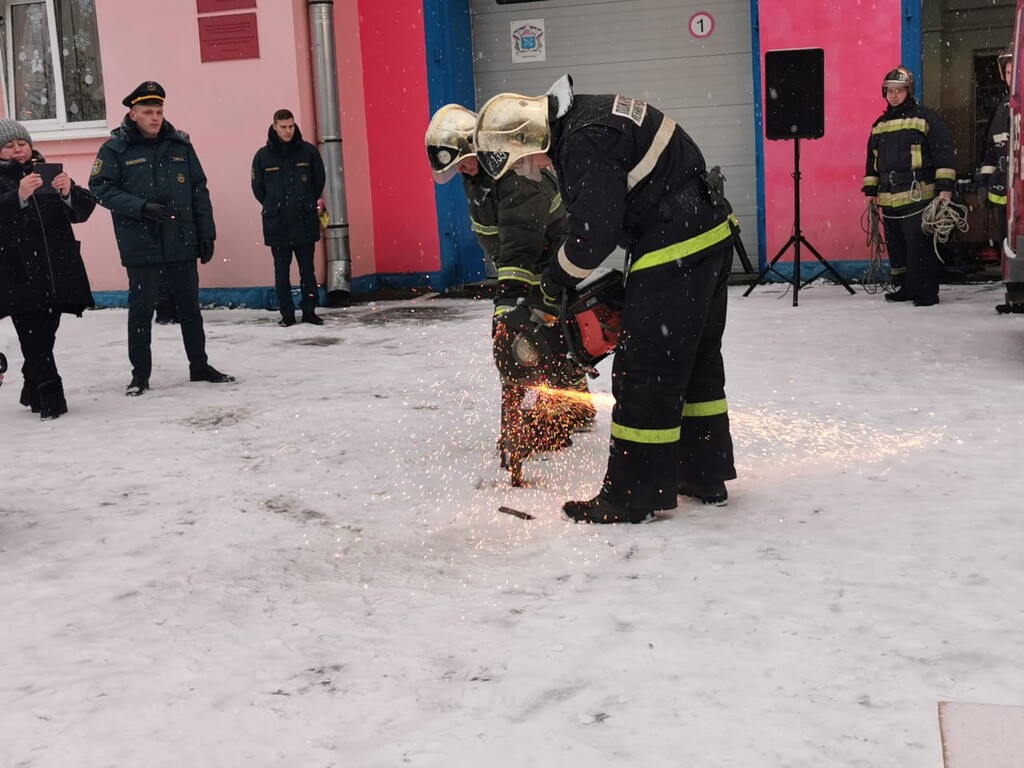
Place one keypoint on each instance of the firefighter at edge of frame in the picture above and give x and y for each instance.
(519, 222)
(909, 162)
(630, 174)
(992, 175)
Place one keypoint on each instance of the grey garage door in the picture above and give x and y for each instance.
(692, 61)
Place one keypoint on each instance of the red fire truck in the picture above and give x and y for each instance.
(1013, 246)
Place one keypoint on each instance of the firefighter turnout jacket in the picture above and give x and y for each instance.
(519, 223)
(997, 144)
(631, 176)
(910, 156)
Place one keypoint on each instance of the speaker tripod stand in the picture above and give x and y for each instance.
(796, 240)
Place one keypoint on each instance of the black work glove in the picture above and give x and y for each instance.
(983, 197)
(205, 251)
(545, 300)
(157, 212)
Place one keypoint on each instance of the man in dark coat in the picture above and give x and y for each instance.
(288, 178)
(629, 174)
(148, 175)
(994, 164)
(41, 269)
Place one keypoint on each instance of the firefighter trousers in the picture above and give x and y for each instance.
(670, 421)
(912, 259)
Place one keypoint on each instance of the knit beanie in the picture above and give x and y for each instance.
(11, 130)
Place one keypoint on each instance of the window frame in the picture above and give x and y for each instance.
(58, 127)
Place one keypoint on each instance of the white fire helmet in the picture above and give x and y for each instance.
(510, 127)
(449, 139)
(901, 77)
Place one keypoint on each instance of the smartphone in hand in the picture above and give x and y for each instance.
(48, 171)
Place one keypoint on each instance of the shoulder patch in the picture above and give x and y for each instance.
(632, 109)
(97, 167)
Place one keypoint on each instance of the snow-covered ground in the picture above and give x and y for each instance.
(307, 568)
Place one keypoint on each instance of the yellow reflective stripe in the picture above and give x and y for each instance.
(556, 203)
(915, 156)
(898, 270)
(501, 309)
(903, 124)
(569, 268)
(870, 181)
(708, 408)
(997, 199)
(483, 229)
(945, 173)
(987, 170)
(647, 436)
(922, 192)
(682, 250)
(661, 139)
(517, 274)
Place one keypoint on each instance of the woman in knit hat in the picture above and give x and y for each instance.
(41, 269)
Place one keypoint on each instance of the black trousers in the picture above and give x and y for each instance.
(37, 334)
(143, 287)
(670, 421)
(307, 277)
(912, 259)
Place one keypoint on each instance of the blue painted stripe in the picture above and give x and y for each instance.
(911, 46)
(755, 47)
(449, 47)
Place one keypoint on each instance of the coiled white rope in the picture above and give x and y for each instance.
(940, 219)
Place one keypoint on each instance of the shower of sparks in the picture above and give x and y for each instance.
(804, 440)
(600, 400)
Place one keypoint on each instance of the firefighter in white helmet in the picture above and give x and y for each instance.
(630, 175)
(519, 224)
(909, 162)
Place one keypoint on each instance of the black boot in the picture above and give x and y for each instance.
(601, 511)
(30, 396)
(51, 400)
(312, 318)
(209, 373)
(286, 321)
(898, 295)
(136, 387)
(709, 493)
(926, 301)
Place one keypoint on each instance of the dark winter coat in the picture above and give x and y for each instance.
(40, 259)
(629, 175)
(997, 145)
(131, 171)
(910, 156)
(518, 223)
(288, 179)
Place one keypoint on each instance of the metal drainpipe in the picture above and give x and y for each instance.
(328, 124)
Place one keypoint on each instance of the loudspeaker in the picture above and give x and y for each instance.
(794, 98)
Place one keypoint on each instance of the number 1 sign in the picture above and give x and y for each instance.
(702, 24)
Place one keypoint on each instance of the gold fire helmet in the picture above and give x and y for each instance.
(449, 139)
(510, 127)
(900, 77)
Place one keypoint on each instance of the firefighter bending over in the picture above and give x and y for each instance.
(519, 223)
(909, 162)
(629, 174)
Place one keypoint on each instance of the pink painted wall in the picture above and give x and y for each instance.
(861, 42)
(405, 232)
(226, 107)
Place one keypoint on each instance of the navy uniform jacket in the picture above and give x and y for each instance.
(130, 171)
(629, 175)
(516, 221)
(288, 179)
(910, 156)
(997, 145)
